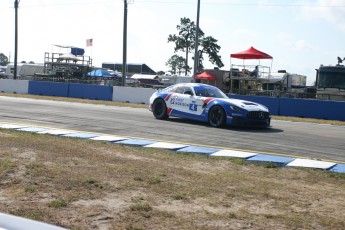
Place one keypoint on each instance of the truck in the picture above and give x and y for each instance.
(330, 82)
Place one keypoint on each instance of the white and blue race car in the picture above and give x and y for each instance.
(209, 104)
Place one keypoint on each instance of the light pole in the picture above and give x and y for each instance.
(16, 3)
(196, 53)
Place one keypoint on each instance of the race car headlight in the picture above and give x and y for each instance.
(236, 109)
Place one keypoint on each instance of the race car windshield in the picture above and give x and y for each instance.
(209, 92)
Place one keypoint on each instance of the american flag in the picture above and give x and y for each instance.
(89, 42)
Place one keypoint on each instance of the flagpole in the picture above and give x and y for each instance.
(89, 42)
(91, 53)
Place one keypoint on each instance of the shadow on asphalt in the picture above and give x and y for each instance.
(256, 129)
(270, 129)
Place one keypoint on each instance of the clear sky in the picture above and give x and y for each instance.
(299, 34)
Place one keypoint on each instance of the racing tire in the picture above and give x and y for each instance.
(217, 116)
(159, 109)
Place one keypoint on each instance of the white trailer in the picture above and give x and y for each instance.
(24, 71)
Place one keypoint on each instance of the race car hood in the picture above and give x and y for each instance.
(247, 105)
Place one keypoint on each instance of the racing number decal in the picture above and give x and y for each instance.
(193, 106)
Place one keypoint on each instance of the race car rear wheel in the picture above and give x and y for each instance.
(159, 109)
(216, 116)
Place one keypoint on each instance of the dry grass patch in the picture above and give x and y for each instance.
(84, 184)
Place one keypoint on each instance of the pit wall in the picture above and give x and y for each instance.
(306, 108)
(296, 107)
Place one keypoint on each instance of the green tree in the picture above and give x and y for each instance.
(177, 64)
(210, 47)
(185, 42)
(161, 72)
(3, 59)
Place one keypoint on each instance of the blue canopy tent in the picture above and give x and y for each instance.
(99, 73)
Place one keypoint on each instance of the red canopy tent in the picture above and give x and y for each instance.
(205, 76)
(251, 53)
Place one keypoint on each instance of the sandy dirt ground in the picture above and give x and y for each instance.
(83, 184)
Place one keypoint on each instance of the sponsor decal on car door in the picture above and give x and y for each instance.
(180, 102)
(188, 104)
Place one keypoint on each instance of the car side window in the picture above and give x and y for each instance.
(188, 91)
(179, 90)
(168, 89)
(200, 93)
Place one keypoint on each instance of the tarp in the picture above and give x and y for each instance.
(68, 56)
(99, 73)
(61, 46)
(205, 76)
(251, 53)
(74, 50)
(145, 76)
(77, 51)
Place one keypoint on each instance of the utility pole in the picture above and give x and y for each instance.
(196, 53)
(124, 59)
(16, 3)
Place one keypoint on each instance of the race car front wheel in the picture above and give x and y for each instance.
(216, 116)
(159, 109)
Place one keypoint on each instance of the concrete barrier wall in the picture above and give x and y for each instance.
(74, 90)
(92, 92)
(330, 110)
(132, 95)
(307, 108)
(14, 86)
(57, 89)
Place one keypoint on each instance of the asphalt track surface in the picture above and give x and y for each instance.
(296, 139)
